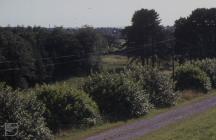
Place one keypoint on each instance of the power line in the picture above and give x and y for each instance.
(46, 65)
(10, 69)
(132, 49)
(69, 56)
(51, 58)
(80, 59)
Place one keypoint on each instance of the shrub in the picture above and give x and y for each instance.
(160, 88)
(158, 85)
(117, 96)
(208, 66)
(192, 77)
(67, 107)
(24, 110)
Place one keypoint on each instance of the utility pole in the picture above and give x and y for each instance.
(172, 45)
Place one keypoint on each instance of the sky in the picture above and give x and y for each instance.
(96, 13)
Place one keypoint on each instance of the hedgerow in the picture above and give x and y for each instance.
(208, 66)
(117, 95)
(189, 76)
(158, 86)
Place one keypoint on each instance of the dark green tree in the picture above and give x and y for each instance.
(195, 35)
(93, 44)
(30, 55)
(17, 63)
(142, 36)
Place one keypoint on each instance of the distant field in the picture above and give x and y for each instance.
(74, 81)
(201, 127)
(114, 61)
(109, 62)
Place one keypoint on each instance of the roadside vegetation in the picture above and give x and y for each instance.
(187, 98)
(201, 127)
(104, 99)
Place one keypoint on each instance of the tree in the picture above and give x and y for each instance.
(143, 34)
(195, 35)
(37, 37)
(17, 64)
(92, 46)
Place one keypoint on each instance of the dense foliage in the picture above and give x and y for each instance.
(143, 37)
(195, 34)
(25, 110)
(208, 66)
(158, 85)
(35, 55)
(192, 77)
(67, 107)
(117, 95)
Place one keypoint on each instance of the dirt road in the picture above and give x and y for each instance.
(142, 127)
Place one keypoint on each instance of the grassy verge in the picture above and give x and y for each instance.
(76, 134)
(201, 127)
(79, 134)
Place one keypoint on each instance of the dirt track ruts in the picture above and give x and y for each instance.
(142, 127)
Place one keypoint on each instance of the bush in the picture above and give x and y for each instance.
(24, 110)
(189, 76)
(158, 85)
(208, 66)
(67, 107)
(117, 96)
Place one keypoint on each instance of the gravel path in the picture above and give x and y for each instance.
(142, 127)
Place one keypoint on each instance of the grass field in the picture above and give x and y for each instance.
(201, 127)
(109, 62)
(114, 59)
(113, 62)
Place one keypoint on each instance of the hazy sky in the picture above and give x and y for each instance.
(97, 13)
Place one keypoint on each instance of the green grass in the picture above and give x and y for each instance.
(110, 62)
(79, 134)
(74, 81)
(114, 59)
(201, 127)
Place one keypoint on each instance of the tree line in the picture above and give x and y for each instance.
(193, 37)
(30, 55)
